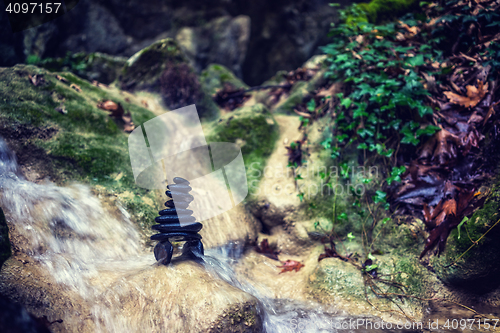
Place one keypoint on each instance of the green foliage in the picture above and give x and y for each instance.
(33, 59)
(396, 174)
(383, 91)
(456, 26)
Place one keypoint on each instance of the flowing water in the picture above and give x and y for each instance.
(99, 256)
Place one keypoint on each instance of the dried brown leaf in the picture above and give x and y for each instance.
(474, 95)
(36, 79)
(129, 125)
(266, 250)
(62, 79)
(76, 87)
(290, 265)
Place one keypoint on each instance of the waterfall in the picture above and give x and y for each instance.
(75, 239)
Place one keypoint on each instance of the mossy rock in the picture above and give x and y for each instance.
(94, 66)
(377, 11)
(215, 76)
(338, 282)
(336, 278)
(478, 270)
(84, 145)
(253, 128)
(143, 70)
(5, 251)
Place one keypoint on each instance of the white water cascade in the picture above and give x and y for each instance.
(94, 255)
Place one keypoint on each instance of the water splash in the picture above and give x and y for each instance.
(71, 234)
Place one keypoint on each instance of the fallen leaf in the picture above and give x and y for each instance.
(400, 37)
(36, 79)
(230, 97)
(129, 125)
(290, 265)
(76, 87)
(62, 79)
(412, 30)
(330, 91)
(266, 250)
(474, 95)
(61, 109)
(491, 111)
(115, 108)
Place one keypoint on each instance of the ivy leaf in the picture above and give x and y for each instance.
(465, 219)
(346, 102)
(327, 143)
(428, 130)
(415, 61)
(380, 197)
(311, 105)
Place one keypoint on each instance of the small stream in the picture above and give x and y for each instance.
(100, 257)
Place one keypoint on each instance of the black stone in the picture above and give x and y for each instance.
(167, 228)
(174, 218)
(170, 228)
(181, 205)
(175, 211)
(183, 235)
(179, 188)
(185, 197)
(179, 180)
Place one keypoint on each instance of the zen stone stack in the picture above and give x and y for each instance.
(170, 227)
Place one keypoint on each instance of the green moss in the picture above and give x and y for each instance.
(5, 251)
(254, 129)
(377, 11)
(409, 272)
(215, 76)
(335, 277)
(142, 71)
(86, 144)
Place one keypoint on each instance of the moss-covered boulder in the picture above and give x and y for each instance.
(5, 250)
(477, 270)
(143, 70)
(163, 68)
(341, 283)
(254, 129)
(57, 131)
(215, 76)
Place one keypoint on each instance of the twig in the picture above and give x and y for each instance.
(473, 244)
